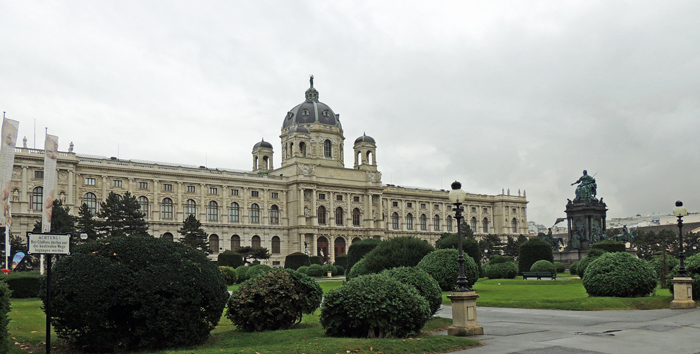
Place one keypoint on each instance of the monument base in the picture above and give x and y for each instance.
(682, 293)
(464, 314)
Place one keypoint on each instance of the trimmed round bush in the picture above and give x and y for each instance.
(374, 306)
(229, 274)
(242, 272)
(543, 266)
(404, 251)
(507, 270)
(359, 249)
(296, 260)
(495, 259)
(584, 263)
(442, 266)
(257, 270)
(559, 267)
(422, 281)
(303, 269)
(272, 301)
(357, 270)
(619, 274)
(609, 246)
(315, 270)
(341, 261)
(573, 268)
(316, 260)
(469, 246)
(229, 259)
(596, 252)
(329, 268)
(531, 251)
(135, 293)
(339, 270)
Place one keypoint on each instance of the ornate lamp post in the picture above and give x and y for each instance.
(682, 284)
(463, 298)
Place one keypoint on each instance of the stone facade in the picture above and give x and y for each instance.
(312, 202)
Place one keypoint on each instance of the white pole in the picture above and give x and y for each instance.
(41, 264)
(7, 237)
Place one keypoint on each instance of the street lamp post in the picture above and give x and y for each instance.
(463, 298)
(682, 284)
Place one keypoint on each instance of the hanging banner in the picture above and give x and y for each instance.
(50, 158)
(7, 161)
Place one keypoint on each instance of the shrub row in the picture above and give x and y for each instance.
(23, 284)
(4, 318)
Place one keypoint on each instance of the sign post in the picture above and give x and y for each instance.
(48, 244)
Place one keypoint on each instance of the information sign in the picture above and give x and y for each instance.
(48, 244)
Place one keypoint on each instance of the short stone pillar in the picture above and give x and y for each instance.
(330, 274)
(683, 293)
(464, 314)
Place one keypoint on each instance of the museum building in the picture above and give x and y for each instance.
(310, 203)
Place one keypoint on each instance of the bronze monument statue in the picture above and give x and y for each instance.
(586, 189)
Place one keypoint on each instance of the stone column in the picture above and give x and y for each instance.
(243, 212)
(202, 203)
(70, 198)
(331, 249)
(464, 314)
(264, 212)
(104, 188)
(683, 293)
(314, 207)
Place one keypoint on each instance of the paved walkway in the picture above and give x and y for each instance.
(527, 331)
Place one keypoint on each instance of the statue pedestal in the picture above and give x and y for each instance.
(329, 274)
(682, 293)
(464, 314)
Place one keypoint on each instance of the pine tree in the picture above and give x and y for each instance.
(86, 223)
(61, 220)
(193, 235)
(249, 253)
(121, 216)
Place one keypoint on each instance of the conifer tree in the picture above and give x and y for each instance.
(86, 223)
(193, 235)
(121, 216)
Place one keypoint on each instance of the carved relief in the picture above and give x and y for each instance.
(16, 172)
(374, 176)
(307, 194)
(62, 175)
(307, 170)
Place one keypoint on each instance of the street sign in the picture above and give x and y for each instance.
(48, 244)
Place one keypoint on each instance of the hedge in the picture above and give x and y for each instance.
(242, 272)
(619, 274)
(296, 260)
(507, 270)
(692, 267)
(4, 318)
(559, 267)
(422, 281)
(229, 274)
(531, 251)
(359, 249)
(341, 260)
(543, 266)
(316, 260)
(229, 259)
(442, 266)
(404, 251)
(23, 284)
(315, 270)
(257, 270)
(357, 270)
(609, 246)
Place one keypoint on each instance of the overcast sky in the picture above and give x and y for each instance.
(519, 95)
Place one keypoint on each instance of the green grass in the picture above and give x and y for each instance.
(559, 295)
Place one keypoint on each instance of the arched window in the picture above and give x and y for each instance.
(409, 221)
(339, 245)
(275, 245)
(485, 225)
(254, 214)
(214, 244)
(423, 222)
(37, 198)
(514, 224)
(339, 216)
(233, 212)
(356, 217)
(472, 224)
(143, 205)
(255, 241)
(302, 149)
(168, 236)
(436, 223)
(190, 208)
(235, 242)
(274, 215)
(395, 221)
(321, 215)
(166, 209)
(356, 239)
(448, 221)
(327, 152)
(213, 211)
(90, 199)
(118, 196)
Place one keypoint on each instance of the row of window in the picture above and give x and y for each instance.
(339, 197)
(410, 205)
(339, 213)
(422, 222)
(255, 242)
(169, 187)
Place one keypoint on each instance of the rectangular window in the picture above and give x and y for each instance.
(473, 209)
(234, 192)
(395, 204)
(437, 207)
(90, 181)
(409, 205)
(339, 197)
(143, 185)
(254, 194)
(213, 190)
(276, 263)
(356, 199)
(190, 189)
(167, 187)
(38, 174)
(274, 195)
(422, 206)
(117, 183)
(321, 196)
(486, 210)
(515, 211)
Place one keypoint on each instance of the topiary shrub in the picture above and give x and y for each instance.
(425, 284)
(692, 267)
(596, 252)
(609, 246)
(257, 270)
(619, 274)
(496, 259)
(315, 270)
(357, 270)
(272, 301)
(559, 267)
(573, 268)
(404, 251)
(303, 269)
(374, 306)
(341, 261)
(135, 293)
(583, 264)
(296, 260)
(229, 274)
(23, 284)
(543, 266)
(532, 251)
(507, 270)
(442, 266)
(359, 249)
(469, 246)
(4, 318)
(316, 260)
(339, 270)
(329, 268)
(229, 259)
(242, 272)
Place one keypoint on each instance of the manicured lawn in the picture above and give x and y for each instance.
(557, 294)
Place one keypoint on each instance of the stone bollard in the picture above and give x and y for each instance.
(330, 274)
(683, 293)
(464, 314)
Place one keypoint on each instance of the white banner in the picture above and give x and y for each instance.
(50, 157)
(7, 161)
